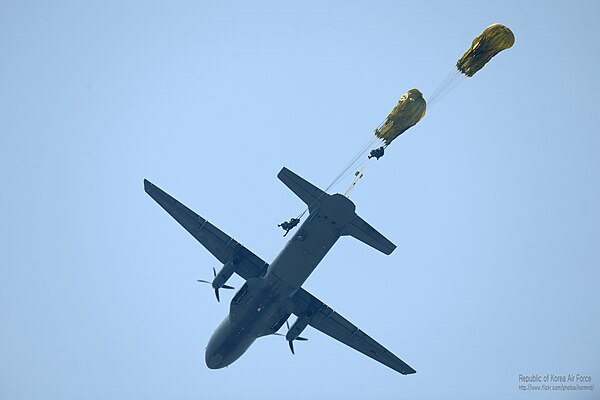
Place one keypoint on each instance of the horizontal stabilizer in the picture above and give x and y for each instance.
(308, 193)
(364, 232)
(312, 196)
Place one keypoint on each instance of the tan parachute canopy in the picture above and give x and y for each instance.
(492, 41)
(410, 109)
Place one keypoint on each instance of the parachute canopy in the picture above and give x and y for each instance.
(409, 110)
(492, 41)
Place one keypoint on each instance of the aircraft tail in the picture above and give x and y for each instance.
(357, 227)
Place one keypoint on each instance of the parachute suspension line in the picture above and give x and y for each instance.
(302, 213)
(452, 81)
(358, 175)
(375, 141)
(361, 171)
(453, 85)
(352, 162)
(372, 143)
(350, 171)
(443, 84)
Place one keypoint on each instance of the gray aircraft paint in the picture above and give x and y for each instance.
(265, 303)
(273, 292)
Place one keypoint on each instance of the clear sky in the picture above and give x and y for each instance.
(493, 199)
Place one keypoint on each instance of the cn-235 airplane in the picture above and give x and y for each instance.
(271, 293)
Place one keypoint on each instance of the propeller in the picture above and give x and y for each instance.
(291, 342)
(216, 288)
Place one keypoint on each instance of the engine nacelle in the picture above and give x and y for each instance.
(224, 274)
(296, 329)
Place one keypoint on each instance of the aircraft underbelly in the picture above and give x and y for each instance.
(263, 304)
(312, 242)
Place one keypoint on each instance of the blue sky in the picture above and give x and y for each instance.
(492, 199)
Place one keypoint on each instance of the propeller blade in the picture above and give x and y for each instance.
(217, 289)
(291, 342)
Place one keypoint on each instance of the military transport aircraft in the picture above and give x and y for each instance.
(273, 292)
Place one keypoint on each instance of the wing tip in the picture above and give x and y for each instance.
(147, 185)
(389, 251)
(282, 172)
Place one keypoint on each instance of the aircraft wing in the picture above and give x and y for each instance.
(219, 244)
(323, 318)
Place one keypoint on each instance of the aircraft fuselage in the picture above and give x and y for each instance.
(262, 305)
